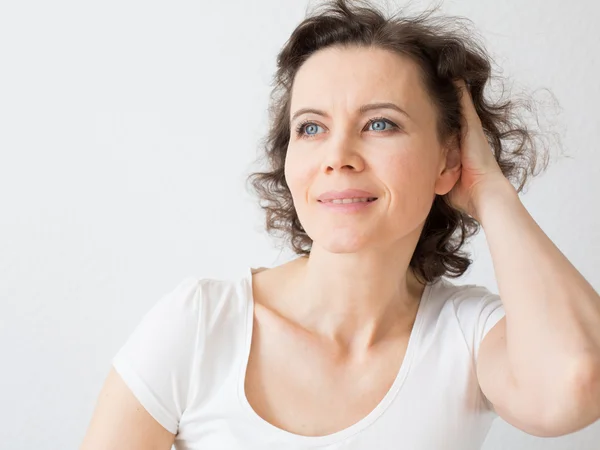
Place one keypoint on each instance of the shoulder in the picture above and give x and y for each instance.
(457, 292)
(192, 308)
(466, 300)
(194, 297)
(474, 308)
(191, 329)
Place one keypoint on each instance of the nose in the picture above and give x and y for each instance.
(342, 154)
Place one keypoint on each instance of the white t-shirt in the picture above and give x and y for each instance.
(186, 362)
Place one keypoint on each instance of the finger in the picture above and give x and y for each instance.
(466, 101)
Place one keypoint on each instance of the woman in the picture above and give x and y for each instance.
(383, 161)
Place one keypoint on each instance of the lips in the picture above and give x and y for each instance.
(346, 194)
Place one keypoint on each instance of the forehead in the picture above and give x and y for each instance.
(336, 77)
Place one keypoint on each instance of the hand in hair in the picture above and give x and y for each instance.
(479, 168)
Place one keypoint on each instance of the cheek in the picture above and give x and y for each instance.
(410, 179)
(407, 173)
(297, 176)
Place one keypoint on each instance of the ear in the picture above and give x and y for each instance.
(450, 167)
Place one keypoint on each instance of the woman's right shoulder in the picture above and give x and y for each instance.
(190, 313)
(210, 299)
(197, 328)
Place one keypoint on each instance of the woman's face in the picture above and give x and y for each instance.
(394, 156)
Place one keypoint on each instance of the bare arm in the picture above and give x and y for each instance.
(540, 365)
(121, 422)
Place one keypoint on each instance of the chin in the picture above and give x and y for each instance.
(343, 243)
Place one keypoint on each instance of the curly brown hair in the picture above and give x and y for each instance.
(445, 50)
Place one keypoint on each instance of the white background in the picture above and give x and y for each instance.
(126, 132)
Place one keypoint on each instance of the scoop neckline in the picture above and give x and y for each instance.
(369, 419)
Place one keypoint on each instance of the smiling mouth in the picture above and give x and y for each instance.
(340, 201)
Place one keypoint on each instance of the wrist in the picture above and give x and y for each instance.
(486, 195)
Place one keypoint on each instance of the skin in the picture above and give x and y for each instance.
(119, 421)
(347, 310)
(403, 165)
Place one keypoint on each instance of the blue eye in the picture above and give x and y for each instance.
(306, 126)
(302, 130)
(380, 121)
(312, 126)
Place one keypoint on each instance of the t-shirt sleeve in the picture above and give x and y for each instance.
(157, 360)
(478, 310)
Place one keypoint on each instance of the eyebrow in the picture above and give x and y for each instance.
(362, 110)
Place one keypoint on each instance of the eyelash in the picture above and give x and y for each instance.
(300, 126)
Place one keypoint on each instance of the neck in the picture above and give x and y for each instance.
(355, 300)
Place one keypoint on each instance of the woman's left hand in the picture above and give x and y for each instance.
(479, 170)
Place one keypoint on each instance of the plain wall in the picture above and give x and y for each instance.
(126, 132)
